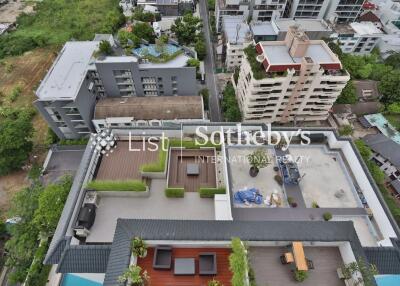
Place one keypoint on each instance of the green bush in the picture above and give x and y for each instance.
(15, 93)
(238, 262)
(230, 105)
(81, 141)
(191, 144)
(256, 67)
(300, 275)
(175, 192)
(327, 216)
(38, 273)
(159, 166)
(346, 130)
(210, 192)
(117, 186)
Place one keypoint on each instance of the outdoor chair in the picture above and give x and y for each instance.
(208, 263)
(162, 257)
(310, 264)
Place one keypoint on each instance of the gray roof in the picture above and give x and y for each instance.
(305, 24)
(185, 230)
(263, 29)
(84, 259)
(236, 29)
(364, 122)
(386, 259)
(65, 77)
(385, 147)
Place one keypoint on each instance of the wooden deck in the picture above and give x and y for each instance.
(123, 164)
(167, 277)
(177, 176)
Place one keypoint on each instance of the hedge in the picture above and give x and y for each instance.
(238, 262)
(210, 192)
(159, 166)
(175, 192)
(118, 186)
(191, 144)
(38, 272)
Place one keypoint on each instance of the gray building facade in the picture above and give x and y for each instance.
(68, 94)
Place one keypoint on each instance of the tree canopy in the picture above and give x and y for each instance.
(348, 94)
(144, 31)
(105, 48)
(187, 28)
(393, 60)
(389, 87)
(230, 105)
(16, 131)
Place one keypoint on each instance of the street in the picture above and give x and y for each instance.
(209, 66)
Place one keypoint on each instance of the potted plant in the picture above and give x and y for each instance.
(327, 216)
(139, 247)
(214, 283)
(300, 275)
(314, 205)
(258, 159)
(134, 276)
(291, 202)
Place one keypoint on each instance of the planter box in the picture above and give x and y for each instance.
(124, 193)
(154, 175)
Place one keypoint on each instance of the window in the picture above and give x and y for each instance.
(173, 78)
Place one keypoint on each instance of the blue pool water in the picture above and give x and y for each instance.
(74, 280)
(151, 50)
(387, 280)
(380, 122)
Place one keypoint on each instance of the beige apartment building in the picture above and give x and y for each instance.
(297, 79)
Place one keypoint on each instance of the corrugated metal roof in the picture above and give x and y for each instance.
(386, 259)
(385, 147)
(84, 259)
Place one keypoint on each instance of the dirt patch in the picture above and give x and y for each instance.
(25, 71)
(9, 185)
(10, 11)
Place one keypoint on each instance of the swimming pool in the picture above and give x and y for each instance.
(387, 280)
(74, 280)
(152, 50)
(380, 122)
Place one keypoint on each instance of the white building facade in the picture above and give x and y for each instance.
(302, 80)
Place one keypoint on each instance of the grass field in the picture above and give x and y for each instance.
(25, 71)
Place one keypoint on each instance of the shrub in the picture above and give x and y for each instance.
(314, 205)
(214, 283)
(256, 67)
(117, 186)
(346, 130)
(38, 273)
(205, 94)
(300, 275)
(81, 141)
(278, 179)
(139, 247)
(259, 159)
(211, 192)
(238, 262)
(327, 216)
(290, 200)
(15, 93)
(159, 166)
(175, 192)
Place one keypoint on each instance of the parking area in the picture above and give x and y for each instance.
(325, 179)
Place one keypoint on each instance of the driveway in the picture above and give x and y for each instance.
(209, 66)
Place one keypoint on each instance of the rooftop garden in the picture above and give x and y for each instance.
(159, 166)
(256, 67)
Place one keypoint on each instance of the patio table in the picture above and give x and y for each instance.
(184, 266)
(299, 257)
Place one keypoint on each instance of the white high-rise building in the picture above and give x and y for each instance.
(292, 80)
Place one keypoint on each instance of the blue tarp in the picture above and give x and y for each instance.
(251, 195)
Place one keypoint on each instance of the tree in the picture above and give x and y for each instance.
(105, 48)
(193, 63)
(364, 150)
(186, 28)
(379, 71)
(128, 39)
(394, 108)
(230, 105)
(365, 71)
(140, 15)
(348, 94)
(144, 31)
(200, 48)
(389, 87)
(50, 205)
(16, 131)
(393, 60)
(346, 130)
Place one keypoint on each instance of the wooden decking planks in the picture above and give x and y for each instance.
(177, 171)
(167, 277)
(123, 164)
